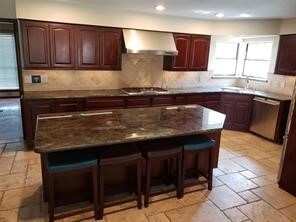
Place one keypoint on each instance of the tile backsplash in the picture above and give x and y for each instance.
(141, 71)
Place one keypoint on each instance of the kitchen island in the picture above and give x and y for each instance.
(96, 129)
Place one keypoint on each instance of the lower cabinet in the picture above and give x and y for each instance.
(104, 103)
(138, 102)
(162, 100)
(238, 110)
(67, 105)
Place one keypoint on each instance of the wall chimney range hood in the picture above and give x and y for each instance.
(149, 42)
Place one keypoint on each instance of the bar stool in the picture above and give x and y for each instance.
(195, 144)
(124, 155)
(161, 150)
(71, 163)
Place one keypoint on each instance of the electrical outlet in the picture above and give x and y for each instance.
(36, 78)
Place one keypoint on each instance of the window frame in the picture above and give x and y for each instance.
(236, 59)
(259, 60)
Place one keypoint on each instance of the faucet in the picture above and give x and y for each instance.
(247, 82)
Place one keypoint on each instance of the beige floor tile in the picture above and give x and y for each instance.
(26, 155)
(290, 212)
(217, 182)
(225, 154)
(8, 215)
(159, 218)
(229, 166)
(262, 212)
(130, 215)
(225, 198)
(257, 154)
(270, 163)
(19, 166)
(34, 170)
(33, 181)
(160, 206)
(275, 196)
(237, 182)
(8, 153)
(249, 196)
(16, 146)
(5, 165)
(217, 172)
(265, 180)
(203, 212)
(255, 166)
(248, 174)
(33, 214)
(235, 215)
(12, 181)
(192, 198)
(20, 197)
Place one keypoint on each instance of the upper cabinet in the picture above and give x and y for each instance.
(88, 47)
(111, 39)
(193, 53)
(64, 46)
(35, 36)
(286, 57)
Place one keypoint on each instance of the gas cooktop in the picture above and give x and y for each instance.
(144, 90)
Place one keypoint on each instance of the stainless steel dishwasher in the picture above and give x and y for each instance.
(265, 117)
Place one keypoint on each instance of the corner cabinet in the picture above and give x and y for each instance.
(193, 53)
(65, 46)
(286, 58)
(36, 51)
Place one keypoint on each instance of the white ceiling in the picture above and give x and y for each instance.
(257, 9)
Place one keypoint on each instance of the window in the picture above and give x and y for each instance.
(8, 63)
(225, 60)
(257, 59)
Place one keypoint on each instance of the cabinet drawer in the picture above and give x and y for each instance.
(61, 106)
(196, 99)
(162, 101)
(181, 100)
(133, 102)
(104, 103)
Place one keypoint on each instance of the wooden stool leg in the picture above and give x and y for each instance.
(210, 171)
(196, 166)
(139, 184)
(183, 175)
(95, 192)
(101, 192)
(51, 200)
(179, 180)
(147, 186)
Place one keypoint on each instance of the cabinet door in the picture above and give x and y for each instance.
(199, 53)
(180, 100)
(214, 105)
(111, 49)
(103, 103)
(63, 106)
(228, 109)
(88, 47)
(196, 99)
(179, 62)
(62, 46)
(35, 36)
(242, 116)
(286, 58)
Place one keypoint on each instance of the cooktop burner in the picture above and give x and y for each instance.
(143, 90)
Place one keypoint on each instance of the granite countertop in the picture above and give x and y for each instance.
(68, 131)
(67, 94)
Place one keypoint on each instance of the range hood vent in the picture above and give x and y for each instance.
(149, 42)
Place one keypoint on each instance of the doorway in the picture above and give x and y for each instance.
(10, 83)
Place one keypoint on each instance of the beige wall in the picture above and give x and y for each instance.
(288, 26)
(7, 9)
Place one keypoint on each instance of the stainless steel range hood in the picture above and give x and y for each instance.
(149, 42)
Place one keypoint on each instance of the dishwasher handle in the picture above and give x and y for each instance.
(267, 101)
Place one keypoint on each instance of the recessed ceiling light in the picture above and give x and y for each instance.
(219, 15)
(244, 15)
(159, 8)
(204, 12)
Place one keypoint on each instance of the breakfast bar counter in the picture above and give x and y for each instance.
(96, 129)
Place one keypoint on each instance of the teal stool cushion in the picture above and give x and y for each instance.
(71, 160)
(195, 143)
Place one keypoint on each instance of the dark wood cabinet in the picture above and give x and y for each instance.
(199, 53)
(238, 110)
(193, 53)
(162, 100)
(103, 103)
(179, 62)
(62, 46)
(65, 46)
(180, 100)
(138, 102)
(196, 99)
(110, 56)
(88, 47)
(286, 58)
(35, 36)
(67, 105)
